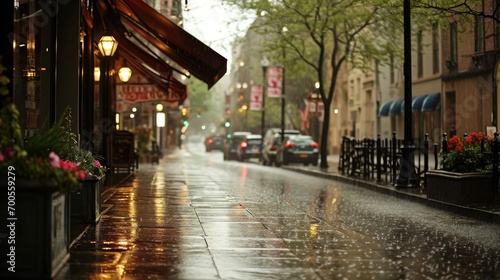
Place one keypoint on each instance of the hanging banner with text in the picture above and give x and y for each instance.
(274, 81)
(256, 98)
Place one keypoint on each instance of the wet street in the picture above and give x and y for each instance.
(195, 216)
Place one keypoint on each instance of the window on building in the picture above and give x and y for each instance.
(479, 34)
(420, 54)
(435, 48)
(453, 45)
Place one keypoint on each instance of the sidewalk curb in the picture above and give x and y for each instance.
(474, 213)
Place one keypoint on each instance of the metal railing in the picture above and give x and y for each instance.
(380, 159)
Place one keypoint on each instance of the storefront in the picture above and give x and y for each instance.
(51, 50)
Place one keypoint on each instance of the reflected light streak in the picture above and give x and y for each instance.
(244, 172)
(313, 230)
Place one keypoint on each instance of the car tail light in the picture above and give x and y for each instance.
(243, 145)
(289, 145)
(314, 144)
(273, 148)
(210, 141)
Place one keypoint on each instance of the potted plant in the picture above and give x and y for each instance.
(36, 182)
(465, 176)
(86, 200)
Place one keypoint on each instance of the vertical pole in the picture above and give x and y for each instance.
(263, 109)
(283, 101)
(407, 177)
(379, 158)
(495, 148)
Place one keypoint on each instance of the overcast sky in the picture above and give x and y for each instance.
(214, 24)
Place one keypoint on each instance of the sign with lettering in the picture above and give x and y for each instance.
(131, 93)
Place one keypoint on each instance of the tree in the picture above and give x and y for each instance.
(325, 35)
(451, 8)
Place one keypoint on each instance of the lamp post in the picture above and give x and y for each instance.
(160, 122)
(264, 63)
(407, 177)
(107, 46)
(283, 31)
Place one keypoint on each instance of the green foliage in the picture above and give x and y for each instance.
(50, 155)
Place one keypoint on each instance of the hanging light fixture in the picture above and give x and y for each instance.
(107, 45)
(124, 74)
(97, 74)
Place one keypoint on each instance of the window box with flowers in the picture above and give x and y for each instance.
(36, 180)
(465, 176)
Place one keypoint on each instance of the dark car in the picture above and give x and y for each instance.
(298, 149)
(250, 147)
(271, 143)
(232, 143)
(214, 142)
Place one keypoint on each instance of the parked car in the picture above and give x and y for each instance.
(214, 142)
(298, 149)
(250, 147)
(232, 143)
(271, 143)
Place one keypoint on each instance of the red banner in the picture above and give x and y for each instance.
(274, 81)
(256, 97)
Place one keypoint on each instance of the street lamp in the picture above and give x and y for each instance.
(107, 46)
(407, 177)
(283, 31)
(264, 63)
(125, 73)
(160, 122)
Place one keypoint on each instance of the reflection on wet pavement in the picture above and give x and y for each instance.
(187, 219)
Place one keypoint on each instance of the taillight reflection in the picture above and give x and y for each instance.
(243, 145)
(289, 145)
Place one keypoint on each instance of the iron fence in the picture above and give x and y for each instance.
(380, 159)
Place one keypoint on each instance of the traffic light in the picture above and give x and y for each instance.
(227, 123)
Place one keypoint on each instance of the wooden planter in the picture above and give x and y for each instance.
(459, 188)
(37, 243)
(86, 202)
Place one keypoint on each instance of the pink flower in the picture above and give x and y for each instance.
(55, 161)
(10, 152)
(97, 163)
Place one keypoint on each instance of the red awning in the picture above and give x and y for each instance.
(173, 85)
(167, 40)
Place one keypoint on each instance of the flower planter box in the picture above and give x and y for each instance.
(86, 202)
(459, 188)
(34, 239)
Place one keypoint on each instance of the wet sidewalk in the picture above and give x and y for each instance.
(169, 222)
(488, 212)
(193, 229)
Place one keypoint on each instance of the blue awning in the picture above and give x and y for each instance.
(395, 108)
(432, 102)
(416, 104)
(384, 109)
